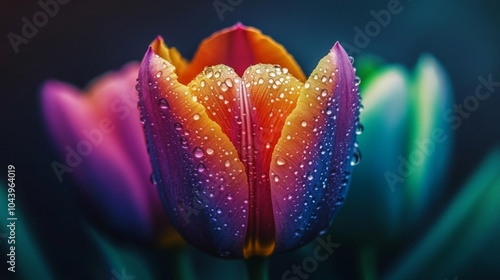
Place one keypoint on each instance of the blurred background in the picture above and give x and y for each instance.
(88, 38)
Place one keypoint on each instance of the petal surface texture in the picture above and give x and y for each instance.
(311, 163)
(224, 141)
(195, 165)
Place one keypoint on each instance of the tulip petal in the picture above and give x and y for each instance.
(251, 111)
(171, 55)
(239, 47)
(95, 141)
(315, 148)
(195, 165)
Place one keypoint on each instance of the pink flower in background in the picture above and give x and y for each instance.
(99, 135)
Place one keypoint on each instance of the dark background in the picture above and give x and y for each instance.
(88, 38)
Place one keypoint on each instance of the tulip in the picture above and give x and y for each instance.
(100, 137)
(404, 116)
(249, 157)
(397, 183)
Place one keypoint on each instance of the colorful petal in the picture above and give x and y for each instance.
(311, 163)
(195, 165)
(251, 111)
(239, 47)
(99, 133)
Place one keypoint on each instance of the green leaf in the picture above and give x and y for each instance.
(464, 237)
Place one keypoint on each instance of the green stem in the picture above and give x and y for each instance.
(257, 268)
(368, 265)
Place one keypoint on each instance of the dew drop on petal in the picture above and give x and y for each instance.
(280, 161)
(200, 167)
(229, 82)
(210, 151)
(196, 117)
(307, 85)
(184, 142)
(209, 73)
(177, 126)
(163, 103)
(198, 152)
(356, 157)
(152, 179)
(304, 123)
(223, 87)
(359, 129)
(357, 81)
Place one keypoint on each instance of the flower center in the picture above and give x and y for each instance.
(251, 111)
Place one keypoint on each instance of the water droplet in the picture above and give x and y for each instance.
(323, 79)
(356, 157)
(158, 74)
(196, 116)
(229, 82)
(177, 126)
(184, 142)
(304, 123)
(209, 73)
(200, 167)
(223, 87)
(198, 152)
(163, 103)
(310, 176)
(202, 83)
(260, 81)
(217, 74)
(219, 211)
(229, 196)
(359, 129)
(268, 145)
(357, 81)
(210, 151)
(280, 161)
(351, 59)
(276, 178)
(227, 163)
(324, 92)
(307, 85)
(152, 179)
